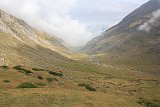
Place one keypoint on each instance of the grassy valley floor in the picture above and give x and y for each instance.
(84, 85)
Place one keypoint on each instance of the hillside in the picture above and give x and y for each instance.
(135, 41)
(24, 45)
(39, 70)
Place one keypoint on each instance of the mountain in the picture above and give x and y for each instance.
(38, 70)
(24, 45)
(134, 41)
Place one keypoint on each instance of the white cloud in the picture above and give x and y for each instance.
(51, 16)
(102, 14)
(146, 26)
(74, 21)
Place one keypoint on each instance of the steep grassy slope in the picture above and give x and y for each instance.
(22, 44)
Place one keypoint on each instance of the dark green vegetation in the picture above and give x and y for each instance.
(149, 103)
(40, 77)
(4, 67)
(38, 69)
(109, 72)
(6, 81)
(78, 87)
(55, 73)
(87, 86)
(21, 69)
(18, 67)
(51, 79)
(26, 85)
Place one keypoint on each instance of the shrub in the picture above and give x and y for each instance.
(26, 85)
(40, 77)
(148, 103)
(23, 70)
(26, 71)
(88, 87)
(5, 67)
(6, 81)
(18, 67)
(55, 73)
(40, 84)
(51, 79)
(38, 69)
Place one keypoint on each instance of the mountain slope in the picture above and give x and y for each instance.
(22, 44)
(51, 79)
(135, 39)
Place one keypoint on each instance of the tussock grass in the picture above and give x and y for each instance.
(40, 77)
(55, 73)
(21, 69)
(6, 81)
(17, 67)
(38, 69)
(149, 103)
(40, 84)
(87, 86)
(5, 67)
(26, 85)
(51, 79)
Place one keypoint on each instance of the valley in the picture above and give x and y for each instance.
(108, 85)
(119, 68)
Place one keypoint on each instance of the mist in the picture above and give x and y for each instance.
(74, 21)
(148, 25)
(49, 16)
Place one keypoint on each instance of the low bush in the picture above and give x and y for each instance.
(6, 81)
(5, 67)
(26, 85)
(55, 73)
(40, 77)
(18, 67)
(149, 103)
(21, 69)
(38, 69)
(88, 87)
(26, 71)
(40, 84)
(51, 79)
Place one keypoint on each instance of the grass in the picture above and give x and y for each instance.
(26, 85)
(55, 73)
(26, 71)
(137, 63)
(40, 84)
(63, 98)
(66, 92)
(51, 79)
(87, 86)
(80, 67)
(149, 103)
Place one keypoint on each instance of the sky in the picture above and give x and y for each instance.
(74, 21)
